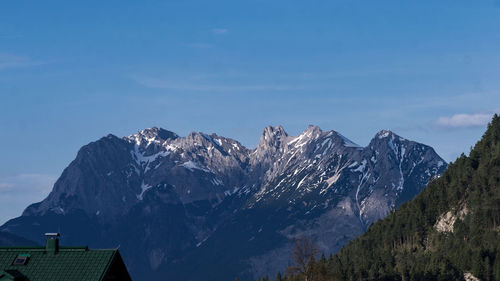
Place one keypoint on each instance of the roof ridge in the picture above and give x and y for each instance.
(21, 248)
(108, 265)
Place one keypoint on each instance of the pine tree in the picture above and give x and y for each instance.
(496, 268)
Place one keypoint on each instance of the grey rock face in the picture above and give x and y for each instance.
(173, 202)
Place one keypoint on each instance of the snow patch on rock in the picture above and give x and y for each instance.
(190, 165)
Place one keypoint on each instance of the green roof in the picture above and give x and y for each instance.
(68, 263)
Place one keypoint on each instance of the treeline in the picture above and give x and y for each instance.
(406, 245)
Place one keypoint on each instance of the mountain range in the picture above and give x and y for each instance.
(204, 207)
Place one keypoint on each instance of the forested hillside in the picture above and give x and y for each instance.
(450, 231)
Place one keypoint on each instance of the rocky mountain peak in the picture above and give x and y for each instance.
(306, 137)
(272, 144)
(388, 134)
(200, 139)
(152, 135)
(272, 140)
(389, 139)
(384, 133)
(272, 136)
(312, 131)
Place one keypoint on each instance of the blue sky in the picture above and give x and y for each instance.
(73, 72)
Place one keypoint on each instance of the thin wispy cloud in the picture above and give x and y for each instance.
(20, 183)
(4, 36)
(196, 86)
(5, 186)
(465, 120)
(21, 190)
(219, 31)
(16, 61)
(200, 45)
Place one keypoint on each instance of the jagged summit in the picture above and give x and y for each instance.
(272, 136)
(312, 130)
(274, 130)
(313, 133)
(152, 135)
(388, 140)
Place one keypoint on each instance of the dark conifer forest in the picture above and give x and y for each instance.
(450, 230)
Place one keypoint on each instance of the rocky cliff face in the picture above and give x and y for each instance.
(171, 203)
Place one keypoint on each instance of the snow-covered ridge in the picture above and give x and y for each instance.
(150, 136)
(161, 137)
(313, 161)
(314, 133)
(384, 134)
